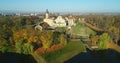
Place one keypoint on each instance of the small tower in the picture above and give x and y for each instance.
(47, 14)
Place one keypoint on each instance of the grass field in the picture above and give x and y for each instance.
(69, 51)
(81, 30)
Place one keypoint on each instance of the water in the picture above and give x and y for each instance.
(16, 58)
(104, 56)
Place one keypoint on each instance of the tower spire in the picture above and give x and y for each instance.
(47, 11)
(47, 14)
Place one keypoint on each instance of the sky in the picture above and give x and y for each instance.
(61, 5)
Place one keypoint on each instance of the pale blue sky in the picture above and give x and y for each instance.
(62, 5)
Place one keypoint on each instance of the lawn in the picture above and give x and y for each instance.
(81, 30)
(69, 51)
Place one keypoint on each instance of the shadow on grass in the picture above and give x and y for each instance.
(16, 58)
(99, 56)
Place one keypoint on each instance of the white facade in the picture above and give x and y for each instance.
(46, 15)
(58, 22)
(50, 22)
(71, 21)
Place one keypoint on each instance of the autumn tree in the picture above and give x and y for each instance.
(103, 41)
(46, 38)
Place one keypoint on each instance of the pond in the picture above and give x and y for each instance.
(100, 56)
(16, 58)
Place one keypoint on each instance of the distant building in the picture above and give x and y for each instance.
(71, 21)
(26, 14)
(18, 14)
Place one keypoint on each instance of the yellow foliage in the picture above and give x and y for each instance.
(94, 39)
(62, 39)
(21, 34)
(45, 42)
(33, 39)
(30, 39)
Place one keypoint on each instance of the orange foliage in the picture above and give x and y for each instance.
(53, 48)
(28, 34)
(21, 34)
(94, 40)
(33, 39)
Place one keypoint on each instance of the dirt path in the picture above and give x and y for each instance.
(94, 27)
(114, 46)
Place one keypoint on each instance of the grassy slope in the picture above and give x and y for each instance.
(81, 29)
(71, 49)
(38, 58)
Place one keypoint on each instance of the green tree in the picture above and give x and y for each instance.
(28, 48)
(46, 38)
(19, 46)
(103, 41)
(62, 39)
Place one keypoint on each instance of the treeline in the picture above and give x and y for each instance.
(109, 23)
(17, 34)
(9, 26)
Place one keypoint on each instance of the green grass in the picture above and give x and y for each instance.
(70, 50)
(81, 30)
(38, 58)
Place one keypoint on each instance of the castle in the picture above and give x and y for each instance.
(58, 22)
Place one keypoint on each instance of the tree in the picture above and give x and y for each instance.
(62, 39)
(94, 39)
(103, 41)
(114, 33)
(46, 38)
(28, 48)
(19, 46)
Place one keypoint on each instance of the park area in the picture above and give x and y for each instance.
(20, 42)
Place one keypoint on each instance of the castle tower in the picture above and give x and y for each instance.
(47, 14)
